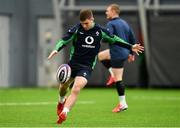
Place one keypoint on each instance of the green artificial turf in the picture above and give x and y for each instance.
(36, 107)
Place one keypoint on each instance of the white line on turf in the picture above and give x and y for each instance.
(168, 98)
(40, 103)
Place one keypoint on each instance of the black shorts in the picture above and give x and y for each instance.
(117, 63)
(80, 71)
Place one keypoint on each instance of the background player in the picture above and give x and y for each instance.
(114, 57)
(85, 37)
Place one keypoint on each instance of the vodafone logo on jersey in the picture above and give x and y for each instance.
(89, 39)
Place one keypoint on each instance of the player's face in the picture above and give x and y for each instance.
(87, 24)
(109, 13)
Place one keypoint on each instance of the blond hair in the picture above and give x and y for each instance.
(115, 7)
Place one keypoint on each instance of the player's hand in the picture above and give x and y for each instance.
(131, 58)
(54, 52)
(137, 48)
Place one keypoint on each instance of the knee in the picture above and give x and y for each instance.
(100, 56)
(76, 90)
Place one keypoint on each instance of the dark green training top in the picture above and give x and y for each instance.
(86, 44)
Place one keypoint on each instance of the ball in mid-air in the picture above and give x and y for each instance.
(63, 73)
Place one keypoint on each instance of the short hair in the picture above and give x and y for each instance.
(85, 14)
(115, 7)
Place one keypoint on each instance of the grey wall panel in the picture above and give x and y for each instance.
(41, 7)
(18, 43)
(7, 6)
(37, 9)
(4, 50)
(23, 37)
(165, 53)
(46, 72)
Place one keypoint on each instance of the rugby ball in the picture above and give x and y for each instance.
(63, 73)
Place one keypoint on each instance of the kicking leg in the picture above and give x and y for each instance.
(63, 88)
(79, 83)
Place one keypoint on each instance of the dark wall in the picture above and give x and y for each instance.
(164, 48)
(106, 2)
(18, 13)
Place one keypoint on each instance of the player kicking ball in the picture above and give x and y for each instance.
(86, 39)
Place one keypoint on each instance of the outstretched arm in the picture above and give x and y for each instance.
(54, 52)
(58, 47)
(69, 36)
(137, 48)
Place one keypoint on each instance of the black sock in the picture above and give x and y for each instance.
(120, 88)
(106, 63)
